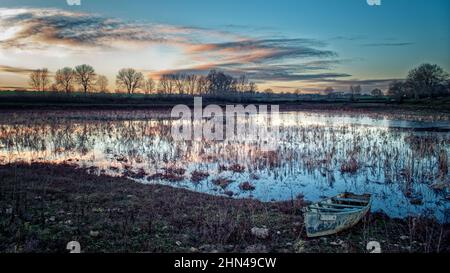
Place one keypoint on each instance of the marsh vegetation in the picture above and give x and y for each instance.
(402, 160)
(116, 181)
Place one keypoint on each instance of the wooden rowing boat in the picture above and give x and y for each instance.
(336, 214)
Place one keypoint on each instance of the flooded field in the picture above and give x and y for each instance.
(402, 161)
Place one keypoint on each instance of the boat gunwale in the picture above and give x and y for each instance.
(317, 211)
(336, 213)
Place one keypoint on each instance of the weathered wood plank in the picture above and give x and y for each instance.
(341, 205)
(332, 210)
(351, 200)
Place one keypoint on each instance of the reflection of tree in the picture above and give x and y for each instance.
(319, 151)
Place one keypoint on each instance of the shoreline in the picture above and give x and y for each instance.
(44, 206)
(25, 114)
(27, 100)
(284, 106)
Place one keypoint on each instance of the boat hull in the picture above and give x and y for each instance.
(322, 223)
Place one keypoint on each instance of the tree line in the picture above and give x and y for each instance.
(83, 78)
(67, 79)
(425, 81)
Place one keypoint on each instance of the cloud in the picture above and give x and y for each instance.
(261, 73)
(16, 70)
(388, 44)
(39, 28)
(349, 38)
(196, 50)
(261, 50)
(363, 82)
(42, 28)
(15, 87)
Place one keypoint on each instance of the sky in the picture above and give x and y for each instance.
(279, 44)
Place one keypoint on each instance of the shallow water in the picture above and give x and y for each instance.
(394, 159)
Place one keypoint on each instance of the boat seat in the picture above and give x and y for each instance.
(350, 200)
(331, 209)
(341, 205)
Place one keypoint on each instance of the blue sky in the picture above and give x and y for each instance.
(323, 42)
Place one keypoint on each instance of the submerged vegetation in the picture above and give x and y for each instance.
(404, 164)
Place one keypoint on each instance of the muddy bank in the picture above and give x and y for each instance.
(42, 207)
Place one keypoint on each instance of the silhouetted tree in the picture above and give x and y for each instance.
(180, 82)
(167, 84)
(65, 78)
(219, 82)
(355, 91)
(377, 92)
(426, 80)
(39, 79)
(102, 84)
(191, 84)
(252, 87)
(397, 90)
(202, 85)
(130, 79)
(149, 86)
(242, 84)
(85, 77)
(54, 87)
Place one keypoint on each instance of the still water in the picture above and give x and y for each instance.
(401, 162)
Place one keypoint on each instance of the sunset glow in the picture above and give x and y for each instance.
(300, 49)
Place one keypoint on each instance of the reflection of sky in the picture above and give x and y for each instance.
(366, 45)
(307, 161)
(345, 120)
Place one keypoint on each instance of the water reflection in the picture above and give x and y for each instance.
(318, 155)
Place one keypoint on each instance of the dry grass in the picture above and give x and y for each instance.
(42, 207)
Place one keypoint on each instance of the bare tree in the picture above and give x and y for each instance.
(54, 87)
(355, 91)
(191, 84)
(102, 84)
(397, 90)
(377, 92)
(180, 82)
(85, 76)
(167, 84)
(45, 79)
(65, 79)
(39, 79)
(242, 84)
(252, 87)
(150, 86)
(202, 85)
(130, 79)
(215, 82)
(35, 80)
